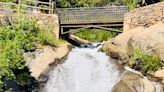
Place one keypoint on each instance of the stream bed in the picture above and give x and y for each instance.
(85, 70)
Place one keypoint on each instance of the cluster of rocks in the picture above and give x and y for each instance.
(150, 40)
(144, 30)
(144, 16)
(133, 82)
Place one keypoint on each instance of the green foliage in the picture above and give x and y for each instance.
(83, 3)
(96, 3)
(95, 35)
(7, 0)
(24, 35)
(147, 63)
(131, 3)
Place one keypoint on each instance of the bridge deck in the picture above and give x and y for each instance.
(97, 17)
(92, 15)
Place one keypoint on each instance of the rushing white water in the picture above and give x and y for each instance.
(85, 70)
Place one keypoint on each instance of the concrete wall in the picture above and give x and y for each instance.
(144, 16)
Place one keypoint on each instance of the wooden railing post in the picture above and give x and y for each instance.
(19, 7)
(50, 5)
(52, 11)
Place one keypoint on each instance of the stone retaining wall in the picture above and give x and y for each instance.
(144, 16)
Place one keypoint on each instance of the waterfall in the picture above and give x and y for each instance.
(85, 70)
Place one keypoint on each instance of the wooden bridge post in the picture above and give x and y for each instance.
(50, 5)
(19, 7)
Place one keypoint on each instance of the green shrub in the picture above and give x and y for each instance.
(132, 4)
(147, 63)
(22, 36)
(95, 35)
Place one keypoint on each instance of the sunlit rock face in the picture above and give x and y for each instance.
(39, 61)
(150, 40)
(144, 16)
(133, 82)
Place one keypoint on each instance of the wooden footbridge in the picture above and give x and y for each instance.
(75, 19)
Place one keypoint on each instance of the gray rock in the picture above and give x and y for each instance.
(132, 82)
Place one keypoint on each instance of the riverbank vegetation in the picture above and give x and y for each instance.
(99, 3)
(15, 39)
(95, 35)
(146, 63)
(96, 3)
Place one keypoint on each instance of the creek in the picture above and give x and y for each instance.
(85, 70)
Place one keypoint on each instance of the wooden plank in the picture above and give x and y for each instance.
(91, 15)
(91, 25)
(28, 6)
(91, 22)
(110, 29)
(8, 9)
(50, 6)
(39, 2)
(104, 28)
(4, 3)
(73, 30)
(18, 6)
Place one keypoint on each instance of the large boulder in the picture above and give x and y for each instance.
(132, 82)
(40, 60)
(150, 40)
(117, 47)
(160, 75)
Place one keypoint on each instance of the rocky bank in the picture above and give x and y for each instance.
(144, 30)
(40, 60)
(133, 82)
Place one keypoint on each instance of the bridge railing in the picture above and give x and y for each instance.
(27, 6)
(92, 15)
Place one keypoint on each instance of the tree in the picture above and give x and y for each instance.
(131, 3)
(7, 0)
(81, 3)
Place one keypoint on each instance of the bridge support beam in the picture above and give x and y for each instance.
(66, 29)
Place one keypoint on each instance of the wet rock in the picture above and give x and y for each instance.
(149, 40)
(117, 47)
(40, 60)
(89, 45)
(78, 39)
(160, 75)
(132, 82)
